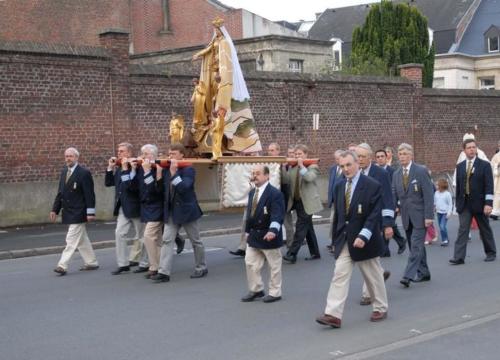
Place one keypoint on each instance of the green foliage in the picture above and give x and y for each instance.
(391, 35)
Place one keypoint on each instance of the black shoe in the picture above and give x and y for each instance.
(140, 269)
(292, 259)
(422, 279)
(179, 242)
(457, 262)
(120, 270)
(270, 299)
(489, 258)
(402, 248)
(387, 254)
(405, 282)
(251, 296)
(133, 263)
(150, 274)
(444, 243)
(238, 252)
(60, 271)
(313, 257)
(159, 278)
(199, 274)
(494, 217)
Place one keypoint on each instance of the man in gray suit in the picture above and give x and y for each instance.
(414, 196)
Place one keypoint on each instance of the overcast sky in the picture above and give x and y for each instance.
(291, 10)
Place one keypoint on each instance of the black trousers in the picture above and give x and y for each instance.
(303, 229)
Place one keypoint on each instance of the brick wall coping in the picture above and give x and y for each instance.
(114, 31)
(411, 65)
(162, 70)
(236, 42)
(29, 47)
(460, 93)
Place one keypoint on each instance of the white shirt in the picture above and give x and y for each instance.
(262, 188)
(367, 170)
(443, 202)
(72, 169)
(407, 168)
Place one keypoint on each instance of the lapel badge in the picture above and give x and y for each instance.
(74, 186)
(472, 170)
(415, 187)
(265, 210)
(360, 209)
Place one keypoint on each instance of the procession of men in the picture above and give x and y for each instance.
(153, 201)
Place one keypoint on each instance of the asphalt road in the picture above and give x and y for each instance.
(100, 316)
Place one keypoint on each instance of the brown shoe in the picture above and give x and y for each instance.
(378, 316)
(329, 320)
(365, 301)
(60, 271)
(150, 274)
(89, 267)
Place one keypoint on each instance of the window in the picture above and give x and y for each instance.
(336, 60)
(438, 83)
(295, 65)
(493, 44)
(165, 8)
(487, 84)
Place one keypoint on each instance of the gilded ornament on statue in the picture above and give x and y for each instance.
(176, 129)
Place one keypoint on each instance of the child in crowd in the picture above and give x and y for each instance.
(443, 204)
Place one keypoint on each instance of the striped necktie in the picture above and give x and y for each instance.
(467, 181)
(348, 195)
(406, 179)
(255, 200)
(68, 175)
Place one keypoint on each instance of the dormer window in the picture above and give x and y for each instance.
(493, 45)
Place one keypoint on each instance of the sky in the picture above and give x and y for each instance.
(291, 10)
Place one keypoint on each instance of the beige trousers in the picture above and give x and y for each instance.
(243, 238)
(77, 238)
(339, 288)
(137, 251)
(288, 223)
(254, 262)
(152, 242)
(332, 214)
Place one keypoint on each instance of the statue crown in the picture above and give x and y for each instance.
(218, 22)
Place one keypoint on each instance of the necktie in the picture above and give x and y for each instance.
(467, 181)
(406, 178)
(68, 175)
(348, 195)
(255, 200)
(296, 190)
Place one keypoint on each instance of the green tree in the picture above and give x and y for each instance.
(391, 35)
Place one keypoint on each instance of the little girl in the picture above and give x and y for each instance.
(444, 206)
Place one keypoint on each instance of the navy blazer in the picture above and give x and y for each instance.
(150, 196)
(75, 197)
(126, 195)
(390, 170)
(268, 216)
(481, 186)
(332, 180)
(388, 205)
(363, 218)
(181, 204)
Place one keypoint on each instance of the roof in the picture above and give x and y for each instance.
(486, 16)
(340, 22)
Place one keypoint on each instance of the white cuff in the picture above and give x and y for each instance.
(366, 233)
(90, 211)
(275, 225)
(148, 180)
(125, 177)
(303, 171)
(176, 180)
(388, 212)
(489, 197)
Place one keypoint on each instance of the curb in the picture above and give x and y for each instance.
(49, 250)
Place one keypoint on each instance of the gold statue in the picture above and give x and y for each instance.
(176, 129)
(200, 118)
(217, 77)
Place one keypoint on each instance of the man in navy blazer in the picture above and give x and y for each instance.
(381, 159)
(127, 209)
(474, 198)
(334, 177)
(265, 213)
(76, 198)
(180, 208)
(357, 233)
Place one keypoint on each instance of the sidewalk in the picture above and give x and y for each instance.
(50, 239)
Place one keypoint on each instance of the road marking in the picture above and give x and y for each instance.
(420, 338)
(317, 217)
(3, 231)
(45, 235)
(207, 249)
(110, 223)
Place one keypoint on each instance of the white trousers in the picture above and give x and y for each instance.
(339, 288)
(138, 251)
(254, 261)
(77, 238)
